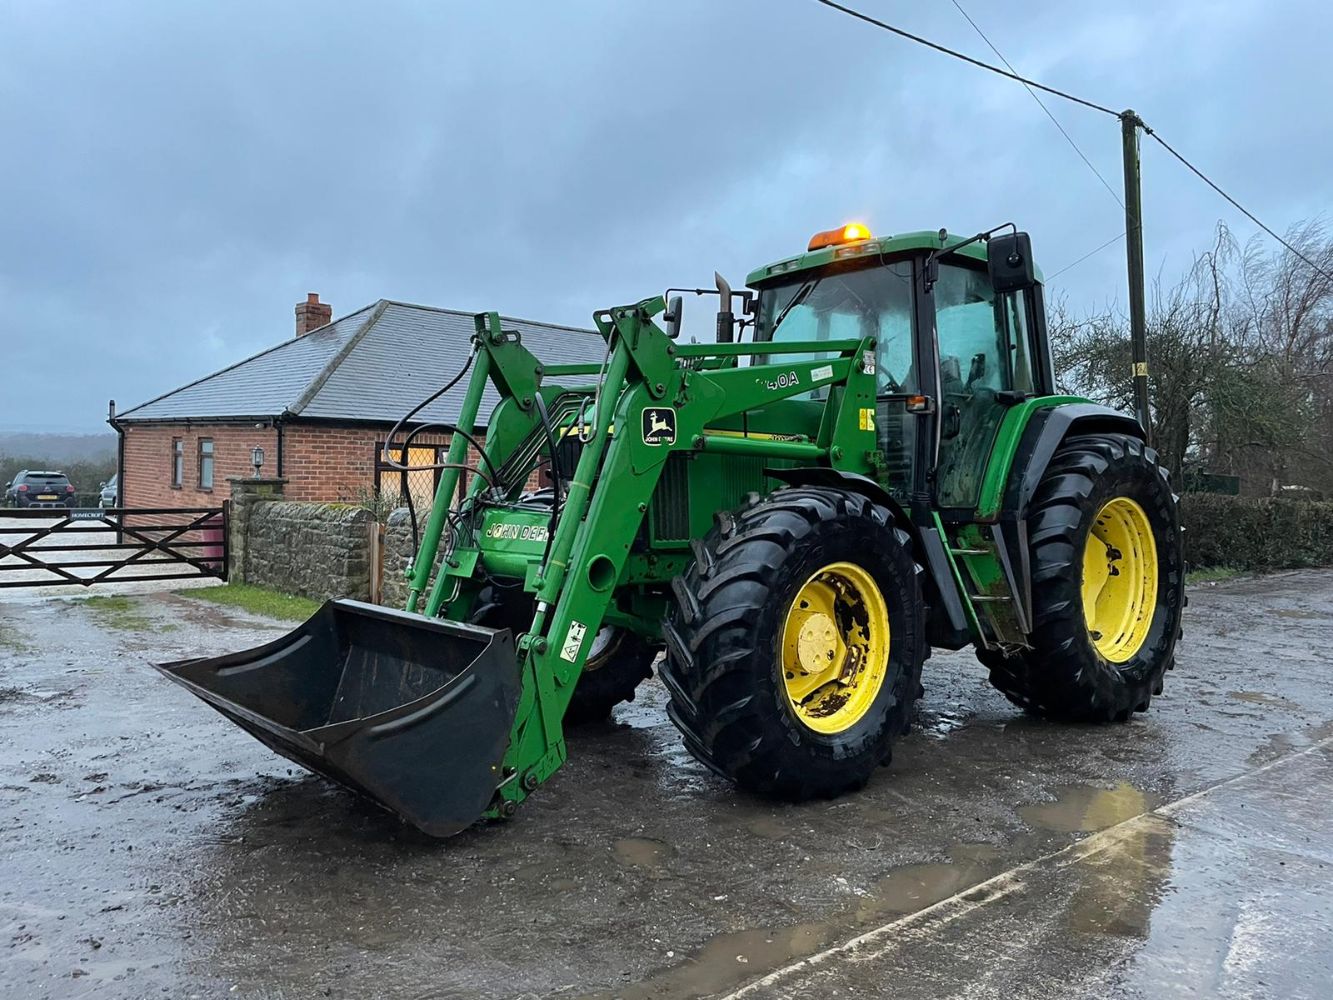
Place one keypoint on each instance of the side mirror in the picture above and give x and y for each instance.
(1009, 261)
(672, 317)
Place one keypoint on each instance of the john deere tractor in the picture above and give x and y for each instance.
(871, 461)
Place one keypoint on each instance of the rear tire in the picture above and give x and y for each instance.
(1080, 668)
(730, 641)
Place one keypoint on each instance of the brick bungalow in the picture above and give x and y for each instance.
(319, 405)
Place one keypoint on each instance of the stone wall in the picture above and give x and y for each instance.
(316, 550)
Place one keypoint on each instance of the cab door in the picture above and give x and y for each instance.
(985, 366)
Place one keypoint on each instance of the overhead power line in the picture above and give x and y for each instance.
(1090, 253)
(1040, 103)
(1033, 84)
(966, 58)
(1235, 204)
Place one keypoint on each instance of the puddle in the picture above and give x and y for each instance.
(914, 887)
(1281, 744)
(1259, 698)
(1297, 613)
(1118, 892)
(726, 962)
(938, 725)
(1114, 898)
(731, 959)
(770, 827)
(1085, 809)
(642, 852)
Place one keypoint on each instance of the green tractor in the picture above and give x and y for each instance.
(870, 462)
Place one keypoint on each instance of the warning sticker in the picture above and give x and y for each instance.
(867, 418)
(573, 641)
(821, 373)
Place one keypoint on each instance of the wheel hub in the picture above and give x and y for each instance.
(1120, 572)
(819, 646)
(835, 647)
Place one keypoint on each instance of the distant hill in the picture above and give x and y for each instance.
(88, 459)
(58, 449)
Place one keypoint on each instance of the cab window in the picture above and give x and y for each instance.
(871, 302)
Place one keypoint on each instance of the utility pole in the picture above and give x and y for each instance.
(1138, 315)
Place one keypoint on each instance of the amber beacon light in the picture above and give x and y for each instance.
(852, 232)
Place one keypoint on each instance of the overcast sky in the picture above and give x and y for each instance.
(175, 177)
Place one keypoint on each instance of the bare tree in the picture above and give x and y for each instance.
(1240, 362)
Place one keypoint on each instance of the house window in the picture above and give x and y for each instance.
(205, 463)
(420, 484)
(177, 463)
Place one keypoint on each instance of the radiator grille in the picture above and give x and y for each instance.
(671, 501)
(708, 483)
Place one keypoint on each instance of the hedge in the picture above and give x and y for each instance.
(1256, 534)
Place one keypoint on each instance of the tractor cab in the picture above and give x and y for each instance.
(960, 337)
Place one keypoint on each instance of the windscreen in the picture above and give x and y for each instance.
(871, 302)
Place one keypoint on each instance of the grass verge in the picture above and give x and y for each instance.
(256, 600)
(1211, 574)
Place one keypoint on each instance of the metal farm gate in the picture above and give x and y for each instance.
(43, 548)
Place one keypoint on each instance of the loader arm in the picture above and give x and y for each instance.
(669, 398)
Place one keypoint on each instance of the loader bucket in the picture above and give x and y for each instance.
(411, 712)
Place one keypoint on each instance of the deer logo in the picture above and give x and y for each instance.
(659, 425)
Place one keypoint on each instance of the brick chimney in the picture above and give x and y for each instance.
(312, 314)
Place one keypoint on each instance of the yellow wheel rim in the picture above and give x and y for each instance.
(835, 647)
(1119, 579)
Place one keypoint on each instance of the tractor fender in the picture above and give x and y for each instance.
(952, 631)
(1043, 434)
(818, 475)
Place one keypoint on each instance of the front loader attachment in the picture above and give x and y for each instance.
(412, 712)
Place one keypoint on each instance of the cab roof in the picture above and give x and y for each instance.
(881, 245)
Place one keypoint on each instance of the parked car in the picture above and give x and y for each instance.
(110, 492)
(38, 488)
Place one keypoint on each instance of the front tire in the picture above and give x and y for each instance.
(619, 661)
(1107, 585)
(794, 650)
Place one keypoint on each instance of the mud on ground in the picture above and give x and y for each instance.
(149, 848)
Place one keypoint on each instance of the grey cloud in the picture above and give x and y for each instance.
(175, 177)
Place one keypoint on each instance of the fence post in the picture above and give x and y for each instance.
(376, 561)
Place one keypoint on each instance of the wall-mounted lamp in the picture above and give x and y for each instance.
(257, 459)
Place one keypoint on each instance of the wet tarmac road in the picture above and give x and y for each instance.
(150, 849)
